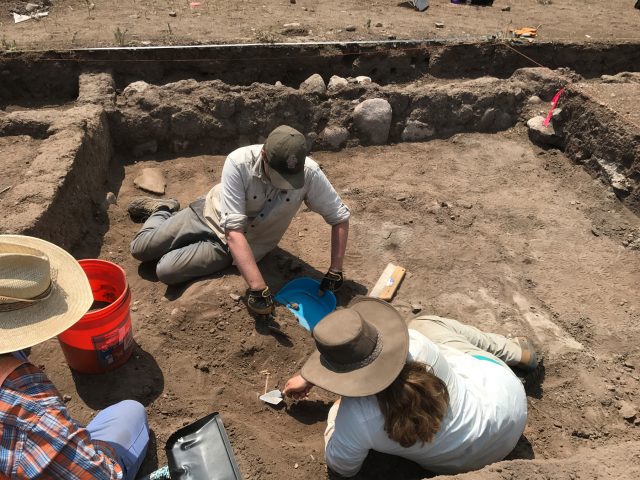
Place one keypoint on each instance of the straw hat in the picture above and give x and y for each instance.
(43, 291)
(361, 349)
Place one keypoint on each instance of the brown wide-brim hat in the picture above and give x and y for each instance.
(361, 349)
(43, 291)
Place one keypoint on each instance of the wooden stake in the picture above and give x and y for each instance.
(386, 286)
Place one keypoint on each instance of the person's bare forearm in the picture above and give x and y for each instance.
(245, 261)
(339, 236)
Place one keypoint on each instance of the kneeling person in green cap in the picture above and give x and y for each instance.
(243, 218)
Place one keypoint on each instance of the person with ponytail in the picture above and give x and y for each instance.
(436, 391)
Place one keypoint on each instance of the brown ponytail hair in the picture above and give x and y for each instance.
(414, 405)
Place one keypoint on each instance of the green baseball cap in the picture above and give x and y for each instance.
(285, 151)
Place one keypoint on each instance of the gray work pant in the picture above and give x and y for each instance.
(468, 339)
(185, 247)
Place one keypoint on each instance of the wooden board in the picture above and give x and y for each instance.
(388, 283)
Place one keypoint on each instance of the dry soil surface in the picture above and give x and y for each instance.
(492, 230)
(91, 23)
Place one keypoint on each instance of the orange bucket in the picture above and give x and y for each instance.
(102, 339)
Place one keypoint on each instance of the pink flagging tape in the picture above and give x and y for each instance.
(554, 103)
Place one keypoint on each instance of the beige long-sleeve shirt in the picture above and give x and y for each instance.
(246, 200)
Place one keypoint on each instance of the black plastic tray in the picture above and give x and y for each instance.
(201, 451)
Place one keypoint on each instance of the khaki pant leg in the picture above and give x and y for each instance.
(468, 339)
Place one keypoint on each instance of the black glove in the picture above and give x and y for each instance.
(332, 281)
(260, 302)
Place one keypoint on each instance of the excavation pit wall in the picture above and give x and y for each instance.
(216, 118)
(516, 281)
(57, 190)
(213, 117)
(219, 117)
(51, 77)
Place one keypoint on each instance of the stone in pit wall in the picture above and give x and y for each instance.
(314, 84)
(416, 131)
(335, 137)
(372, 121)
(543, 135)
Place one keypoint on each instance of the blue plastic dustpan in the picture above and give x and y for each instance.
(311, 306)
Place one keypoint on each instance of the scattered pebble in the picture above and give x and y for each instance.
(173, 14)
(379, 24)
(235, 297)
(296, 466)
(628, 411)
(391, 37)
(66, 398)
(506, 9)
(111, 198)
(439, 24)
(174, 312)
(416, 307)
(350, 28)
(292, 2)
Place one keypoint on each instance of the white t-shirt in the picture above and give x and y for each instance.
(486, 417)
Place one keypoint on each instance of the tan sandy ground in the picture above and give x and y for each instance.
(147, 22)
(492, 231)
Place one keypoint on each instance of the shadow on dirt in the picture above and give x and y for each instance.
(310, 412)
(150, 463)
(139, 379)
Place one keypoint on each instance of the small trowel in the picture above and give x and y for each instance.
(274, 397)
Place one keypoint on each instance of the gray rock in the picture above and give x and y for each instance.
(416, 131)
(488, 119)
(336, 83)
(135, 87)
(311, 138)
(628, 411)
(110, 198)
(534, 99)
(279, 84)
(350, 28)
(151, 180)
(335, 137)
(143, 148)
(372, 120)
(557, 118)
(464, 114)
(542, 135)
(362, 79)
(314, 84)
(504, 121)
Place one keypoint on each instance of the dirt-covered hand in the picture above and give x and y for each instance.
(297, 387)
(260, 302)
(332, 281)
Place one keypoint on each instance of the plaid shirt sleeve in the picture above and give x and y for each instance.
(38, 439)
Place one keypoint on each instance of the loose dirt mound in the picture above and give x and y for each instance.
(492, 231)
